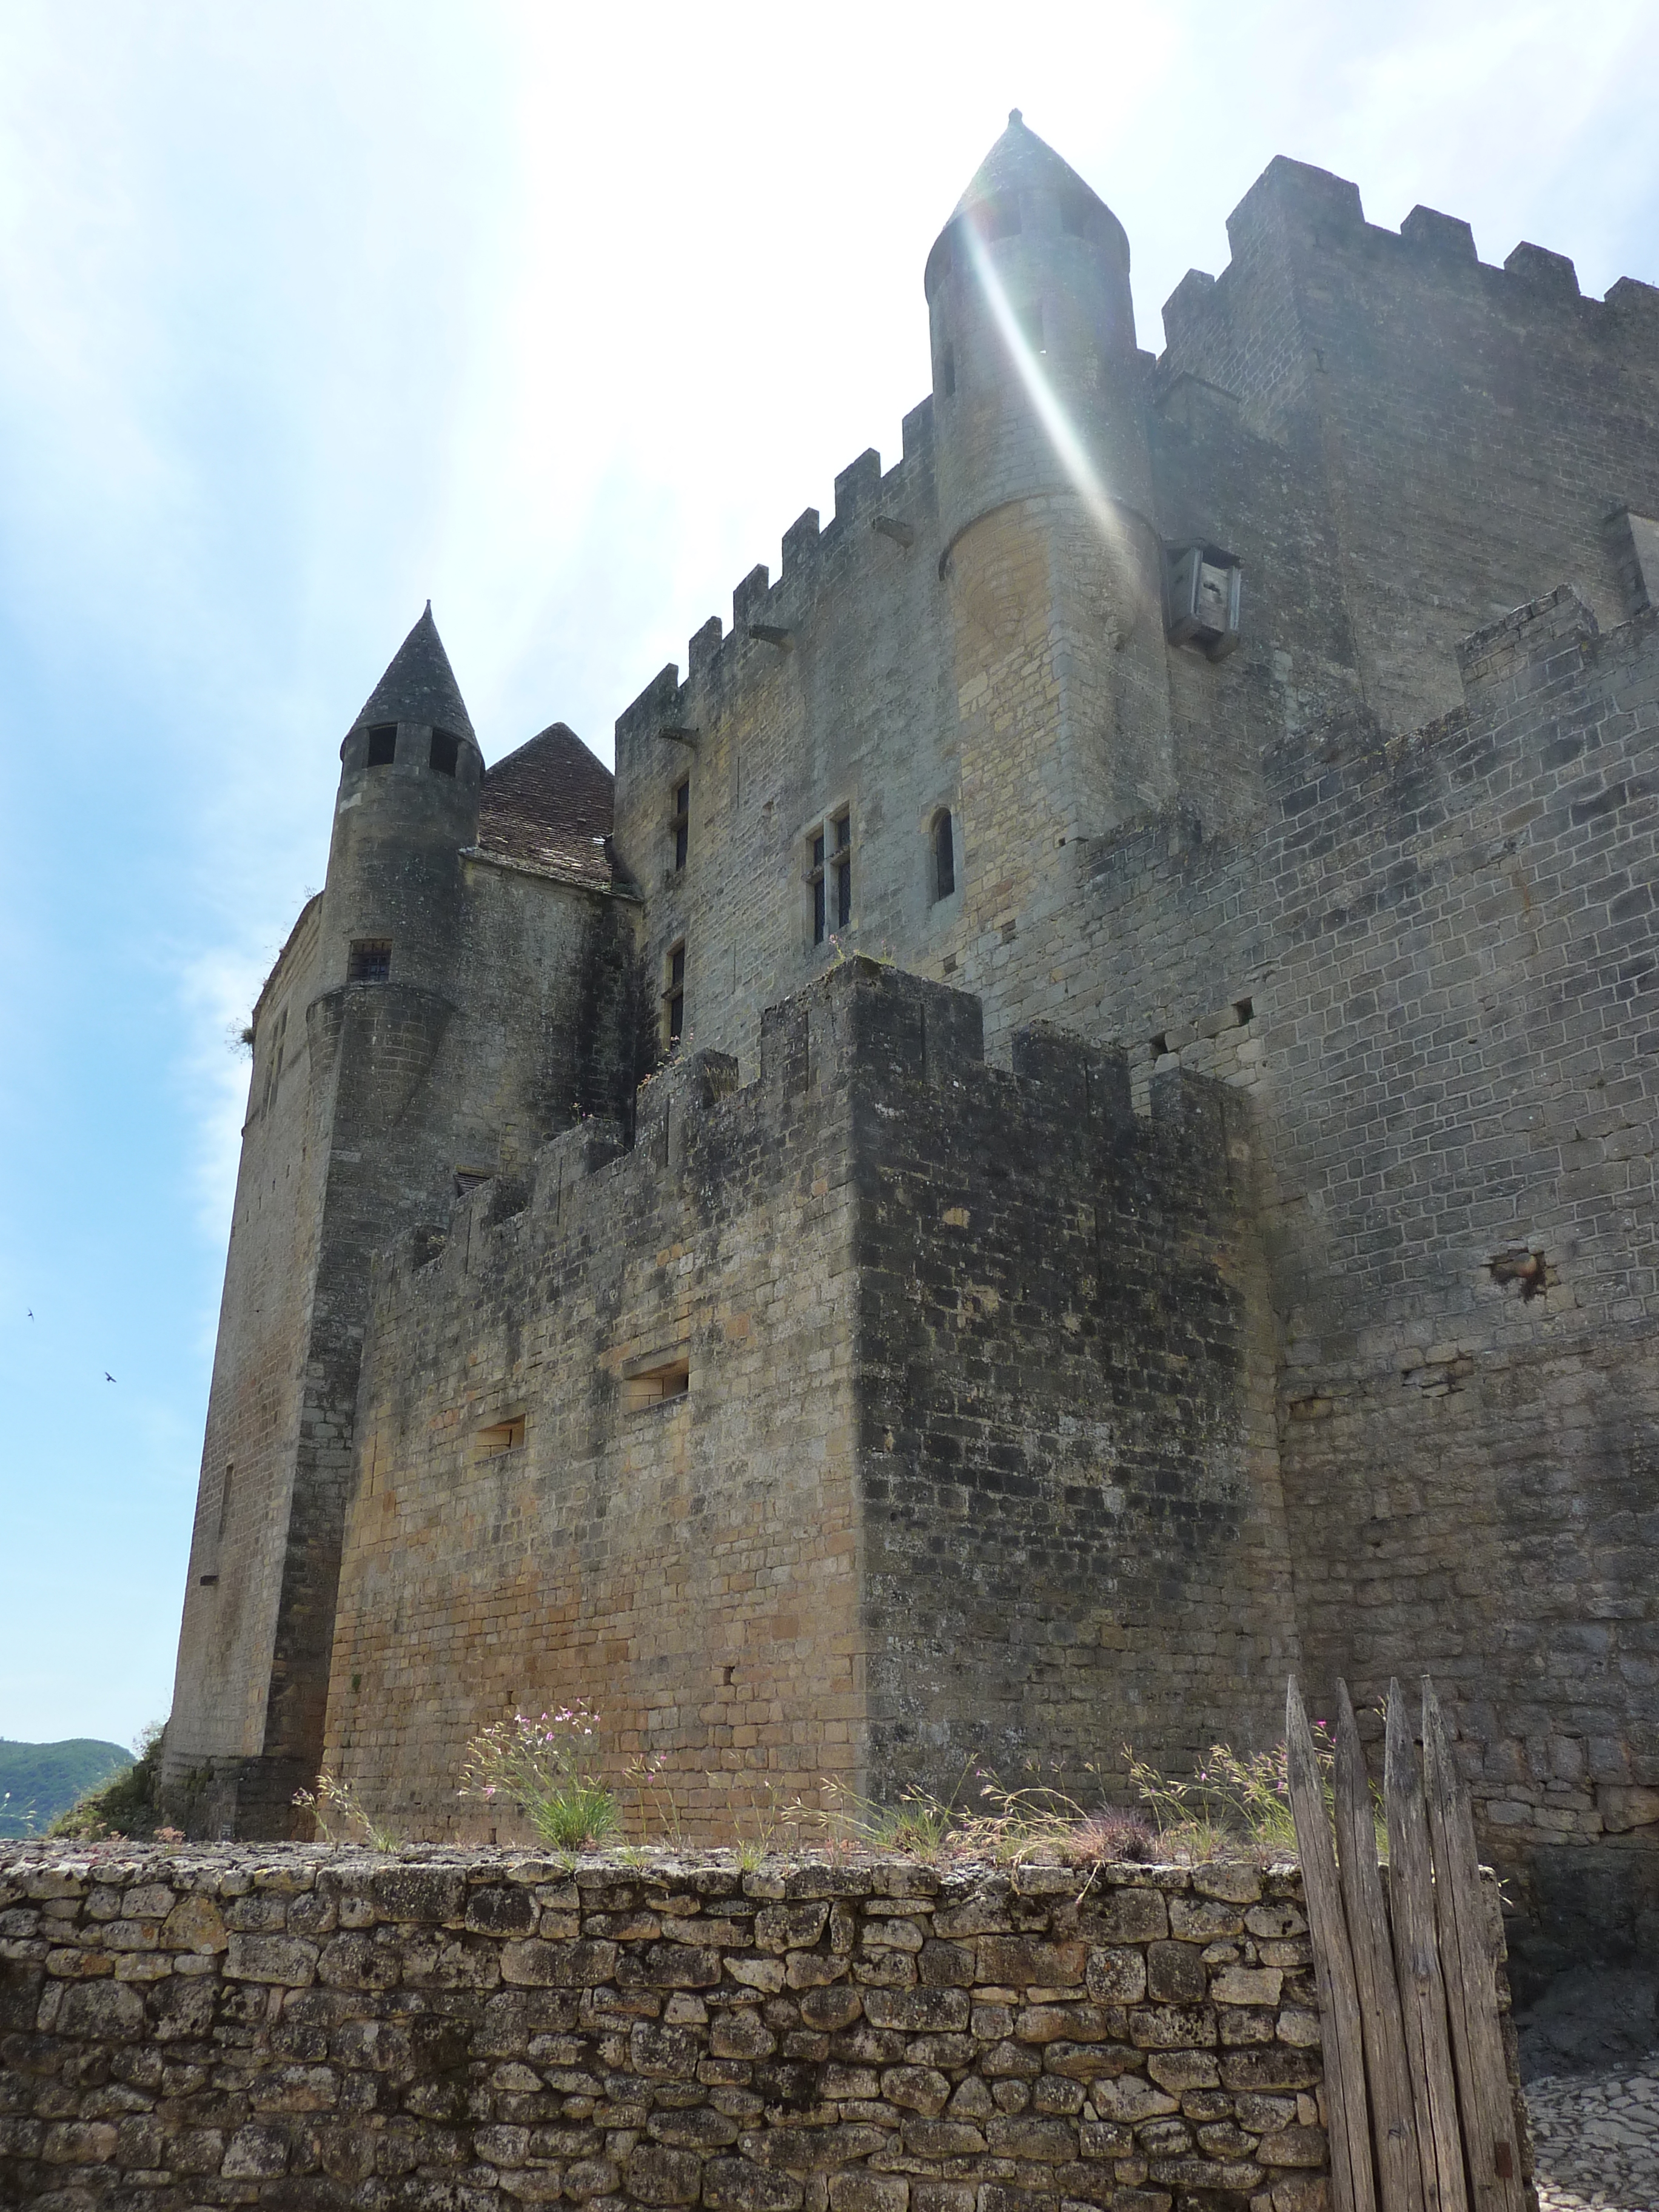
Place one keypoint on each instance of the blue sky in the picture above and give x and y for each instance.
(559, 316)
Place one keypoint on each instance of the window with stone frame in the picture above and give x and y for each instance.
(830, 874)
(679, 823)
(942, 857)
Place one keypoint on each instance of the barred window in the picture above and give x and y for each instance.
(370, 961)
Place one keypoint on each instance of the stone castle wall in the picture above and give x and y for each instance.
(383, 1094)
(971, 1448)
(1432, 975)
(309, 2029)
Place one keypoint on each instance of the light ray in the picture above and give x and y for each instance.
(1070, 451)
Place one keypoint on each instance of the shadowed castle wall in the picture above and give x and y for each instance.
(254, 1403)
(1432, 974)
(390, 1092)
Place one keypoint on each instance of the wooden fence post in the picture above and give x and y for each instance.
(1394, 2117)
(1469, 1961)
(1416, 1962)
(1339, 2000)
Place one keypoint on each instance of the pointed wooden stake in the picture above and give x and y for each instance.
(1417, 1965)
(1352, 2187)
(1394, 2118)
(1468, 1960)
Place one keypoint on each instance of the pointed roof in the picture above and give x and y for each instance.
(549, 804)
(419, 685)
(1020, 161)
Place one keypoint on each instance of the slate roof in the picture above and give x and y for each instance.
(546, 805)
(419, 685)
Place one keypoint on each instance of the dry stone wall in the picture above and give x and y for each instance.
(297, 2026)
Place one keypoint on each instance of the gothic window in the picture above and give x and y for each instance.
(679, 822)
(370, 961)
(383, 745)
(944, 855)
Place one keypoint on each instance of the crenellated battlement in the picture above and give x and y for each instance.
(1294, 204)
(863, 1028)
(769, 616)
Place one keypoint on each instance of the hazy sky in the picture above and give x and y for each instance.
(560, 316)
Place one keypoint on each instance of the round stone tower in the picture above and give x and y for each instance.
(408, 803)
(1036, 380)
(1055, 569)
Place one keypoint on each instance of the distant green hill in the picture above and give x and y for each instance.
(37, 1781)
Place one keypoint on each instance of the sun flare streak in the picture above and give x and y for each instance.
(1070, 451)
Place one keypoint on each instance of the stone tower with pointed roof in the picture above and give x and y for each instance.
(1215, 1231)
(458, 990)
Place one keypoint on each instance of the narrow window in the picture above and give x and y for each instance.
(842, 827)
(675, 995)
(370, 961)
(944, 855)
(383, 745)
(948, 372)
(680, 822)
(815, 877)
(445, 752)
(1074, 218)
(224, 1494)
(655, 1380)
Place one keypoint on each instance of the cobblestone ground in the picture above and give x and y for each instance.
(1596, 2139)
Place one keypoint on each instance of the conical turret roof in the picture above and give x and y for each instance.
(1020, 161)
(419, 685)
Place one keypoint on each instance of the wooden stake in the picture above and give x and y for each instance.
(1394, 2114)
(1468, 1960)
(1342, 2038)
(1417, 1965)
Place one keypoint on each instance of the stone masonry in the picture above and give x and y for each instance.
(303, 2028)
(1148, 928)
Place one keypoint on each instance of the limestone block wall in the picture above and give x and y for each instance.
(969, 1447)
(829, 693)
(307, 2028)
(1074, 1531)
(367, 1102)
(606, 1451)
(1432, 972)
(238, 1540)
(1472, 426)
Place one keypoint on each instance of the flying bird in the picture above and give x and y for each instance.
(108, 1377)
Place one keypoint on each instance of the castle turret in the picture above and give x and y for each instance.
(1054, 568)
(408, 804)
(1036, 381)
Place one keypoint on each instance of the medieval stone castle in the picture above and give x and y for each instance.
(1150, 926)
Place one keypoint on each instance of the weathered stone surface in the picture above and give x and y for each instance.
(569, 2070)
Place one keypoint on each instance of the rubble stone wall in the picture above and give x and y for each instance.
(300, 2027)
